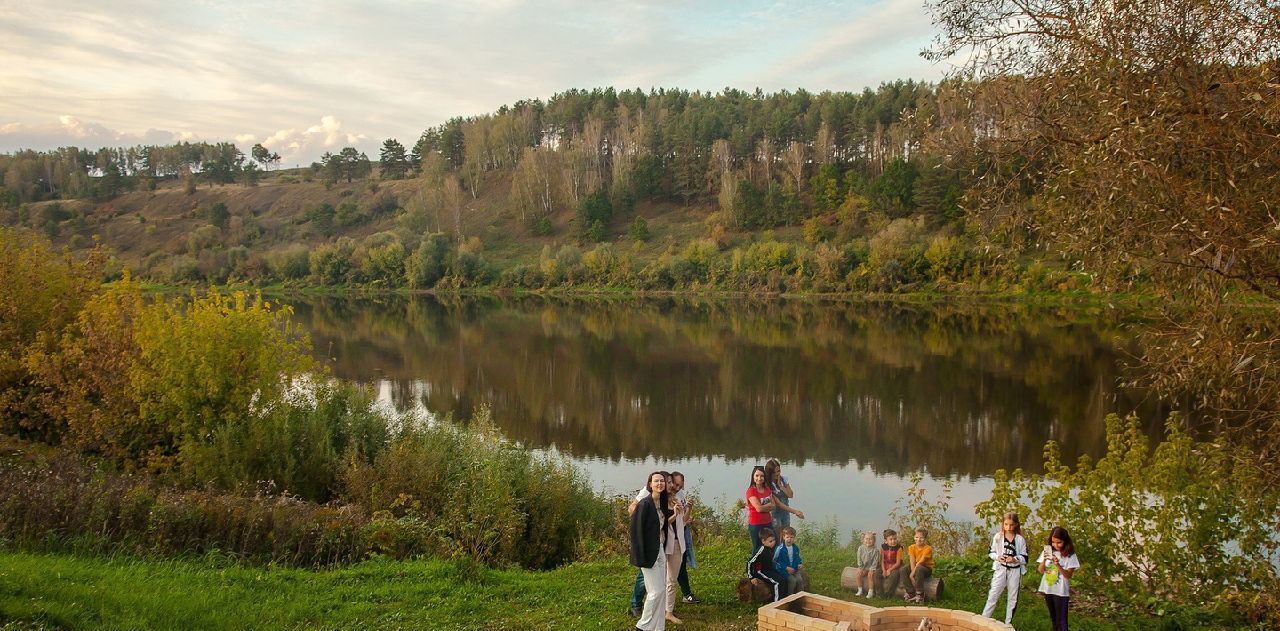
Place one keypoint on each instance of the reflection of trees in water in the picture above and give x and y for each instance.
(959, 390)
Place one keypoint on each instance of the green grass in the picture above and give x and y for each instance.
(67, 591)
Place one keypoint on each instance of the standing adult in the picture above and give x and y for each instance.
(782, 494)
(674, 546)
(690, 560)
(649, 528)
(761, 502)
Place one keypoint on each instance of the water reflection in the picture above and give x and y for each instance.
(958, 391)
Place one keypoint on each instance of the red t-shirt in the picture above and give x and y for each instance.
(755, 517)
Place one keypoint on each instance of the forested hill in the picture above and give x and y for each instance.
(650, 190)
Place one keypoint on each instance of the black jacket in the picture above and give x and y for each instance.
(646, 533)
(761, 561)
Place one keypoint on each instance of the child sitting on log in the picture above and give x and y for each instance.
(788, 562)
(921, 555)
(761, 565)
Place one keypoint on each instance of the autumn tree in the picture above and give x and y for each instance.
(1140, 139)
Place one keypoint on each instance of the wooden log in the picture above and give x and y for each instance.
(754, 590)
(931, 590)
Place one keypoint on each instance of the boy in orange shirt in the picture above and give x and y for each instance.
(921, 554)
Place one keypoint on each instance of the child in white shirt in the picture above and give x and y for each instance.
(1057, 563)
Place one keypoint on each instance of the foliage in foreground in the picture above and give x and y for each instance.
(1182, 524)
(438, 491)
(203, 424)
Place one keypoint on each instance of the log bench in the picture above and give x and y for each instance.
(755, 590)
(931, 590)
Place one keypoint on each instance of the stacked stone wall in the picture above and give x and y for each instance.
(810, 612)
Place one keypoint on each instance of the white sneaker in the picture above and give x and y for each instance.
(859, 592)
(871, 593)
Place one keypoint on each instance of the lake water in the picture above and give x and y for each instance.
(852, 397)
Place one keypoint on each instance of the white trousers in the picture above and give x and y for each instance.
(1007, 580)
(654, 615)
(673, 571)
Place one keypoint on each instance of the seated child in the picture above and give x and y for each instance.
(787, 560)
(868, 565)
(891, 566)
(921, 555)
(761, 565)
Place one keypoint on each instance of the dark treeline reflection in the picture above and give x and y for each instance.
(956, 389)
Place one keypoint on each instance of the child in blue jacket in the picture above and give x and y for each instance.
(788, 562)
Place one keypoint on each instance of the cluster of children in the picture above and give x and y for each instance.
(881, 570)
(781, 569)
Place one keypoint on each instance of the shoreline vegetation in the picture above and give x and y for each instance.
(199, 425)
(1117, 150)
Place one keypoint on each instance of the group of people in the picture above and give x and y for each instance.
(662, 547)
(1009, 559)
(882, 570)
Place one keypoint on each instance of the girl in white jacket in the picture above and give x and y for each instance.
(1009, 561)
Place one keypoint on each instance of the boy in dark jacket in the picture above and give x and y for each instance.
(761, 565)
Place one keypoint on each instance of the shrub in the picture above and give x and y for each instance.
(490, 500)
(211, 362)
(298, 442)
(292, 263)
(330, 263)
(600, 264)
(567, 260)
(1181, 521)
(203, 238)
(915, 510)
(85, 377)
(383, 204)
(384, 264)
(41, 292)
(428, 263)
(348, 214)
(184, 269)
(639, 229)
(816, 230)
(542, 227)
(321, 218)
(64, 501)
(946, 257)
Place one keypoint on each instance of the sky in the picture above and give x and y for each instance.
(308, 77)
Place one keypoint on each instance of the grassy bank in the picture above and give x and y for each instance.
(65, 591)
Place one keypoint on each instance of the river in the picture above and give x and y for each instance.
(852, 397)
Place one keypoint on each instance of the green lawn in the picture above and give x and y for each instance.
(67, 591)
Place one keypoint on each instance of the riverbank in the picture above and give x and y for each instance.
(69, 591)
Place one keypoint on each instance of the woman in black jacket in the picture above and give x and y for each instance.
(648, 539)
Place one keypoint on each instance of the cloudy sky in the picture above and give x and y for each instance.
(304, 77)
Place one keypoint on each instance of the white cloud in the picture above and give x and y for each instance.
(220, 71)
(297, 147)
(72, 131)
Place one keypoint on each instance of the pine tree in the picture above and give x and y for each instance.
(393, 162)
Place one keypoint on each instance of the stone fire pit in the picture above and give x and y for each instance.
(810, 612)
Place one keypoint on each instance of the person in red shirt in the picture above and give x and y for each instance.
(760, 505)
